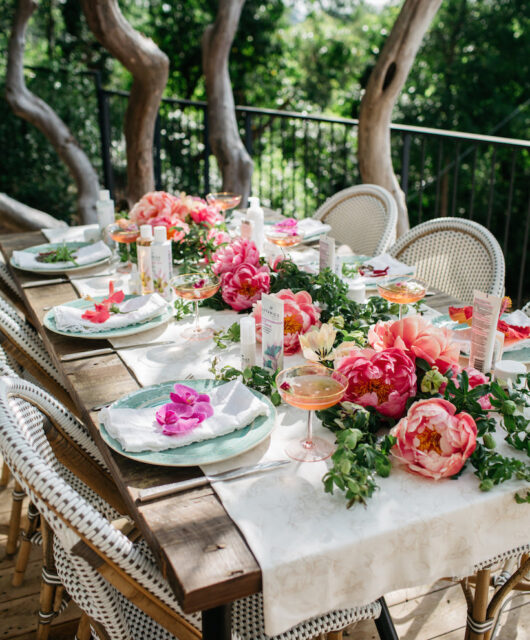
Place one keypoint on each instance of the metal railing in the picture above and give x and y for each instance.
(302, 159)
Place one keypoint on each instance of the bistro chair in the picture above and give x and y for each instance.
(112, 578)
(363, 217)
(455, 256)
(9, 287)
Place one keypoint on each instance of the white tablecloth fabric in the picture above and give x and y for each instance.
(315, 554)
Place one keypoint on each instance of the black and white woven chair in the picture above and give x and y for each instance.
(9, 288)
(97, 563)
(454, 255)
(364, 217)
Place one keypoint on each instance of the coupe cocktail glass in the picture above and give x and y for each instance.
(311, 387)
(124, 232)
(195, 287)
(401, 290)
(283, 239)
(223, 200)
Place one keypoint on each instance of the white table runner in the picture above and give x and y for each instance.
(316, 555)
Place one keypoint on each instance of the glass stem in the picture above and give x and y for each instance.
(308, 444)
(197, 328)
(400, 311)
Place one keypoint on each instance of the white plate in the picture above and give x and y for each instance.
(64, 269)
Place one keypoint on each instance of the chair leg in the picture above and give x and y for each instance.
(480, 605)
(49, 585)
(83, 629)
(5, 475)
(14, 519)
(25, 546)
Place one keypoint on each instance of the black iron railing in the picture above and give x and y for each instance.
(302, 159)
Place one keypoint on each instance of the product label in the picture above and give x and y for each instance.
(327, 253)
(272, 332)
(162, 261)
(486, 308)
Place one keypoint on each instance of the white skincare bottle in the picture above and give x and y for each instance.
(162, 261)
(247, 327)
(145, 267)
(256, 216)
(135, 284)
(105, 209)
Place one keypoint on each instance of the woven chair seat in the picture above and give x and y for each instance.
(454, 255)
(364, 217)
(77, 515)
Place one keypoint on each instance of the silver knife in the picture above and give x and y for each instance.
(42, 283)
(176, 487)
(108, 350)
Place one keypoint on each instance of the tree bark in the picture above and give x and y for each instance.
(27, 105)
(19, 217)
(149, 67)
(385, 84)
(234, 161)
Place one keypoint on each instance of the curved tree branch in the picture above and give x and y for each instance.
(19, 217)
(384, 86)
(234, 161)
(150, 68)
(27, 105)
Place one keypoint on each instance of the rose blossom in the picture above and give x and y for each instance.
(432, 441)
(228, 258)
(383, 380)
(418, 338)
(299, 315)
(243, 286)
(475, 378)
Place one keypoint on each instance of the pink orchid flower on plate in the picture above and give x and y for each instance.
(186, 411)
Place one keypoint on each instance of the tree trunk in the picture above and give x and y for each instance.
(27, 105)
(385, 84)
(150, 68)
(19, 217)
(234, 161)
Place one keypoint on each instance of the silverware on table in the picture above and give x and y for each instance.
(80, 355)
(176, 487)
(42, 283)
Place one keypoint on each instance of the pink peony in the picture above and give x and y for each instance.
(243, 286)
(384, 380)
(432, 441)
(228, 258)
(299, 315)
(157, 205)
(418, 338)
(206, 214)
(218, 236)
(476, 378)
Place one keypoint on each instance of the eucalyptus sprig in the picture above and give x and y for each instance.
(61, 254)
(232, 334)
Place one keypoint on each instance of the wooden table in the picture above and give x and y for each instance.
(182, 528)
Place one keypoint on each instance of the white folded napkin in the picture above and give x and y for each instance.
(134, 310)
(395, 267)
(71, 234)
(309, 227)
(84, 256)
(234, 406)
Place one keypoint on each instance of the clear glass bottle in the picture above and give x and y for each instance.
(144, 252)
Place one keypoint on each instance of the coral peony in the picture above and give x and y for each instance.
(242, 287)
(384, 380)
(206, 214)
(228, 258)
(299, 315)
(159, 207)
(475, 378)
(418, 338)
(432, 441)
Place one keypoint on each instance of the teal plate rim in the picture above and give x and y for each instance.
(53, 245)
(120, 332)
(218, 449)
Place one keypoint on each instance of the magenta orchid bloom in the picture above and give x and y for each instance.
(188, 409)
(183, 394)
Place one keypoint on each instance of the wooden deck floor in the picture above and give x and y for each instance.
(432, 612)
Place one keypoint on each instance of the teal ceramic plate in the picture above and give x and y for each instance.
(81, 303)
(206, 452)
(54, 245)
(521, 355)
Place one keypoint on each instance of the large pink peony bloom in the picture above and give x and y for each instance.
(299, 315)
(476, 378)
(204, 213)
(384, 380)
(432, 441)
(242, 287)
(418, 338)
(158, 206)
(228, 258)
